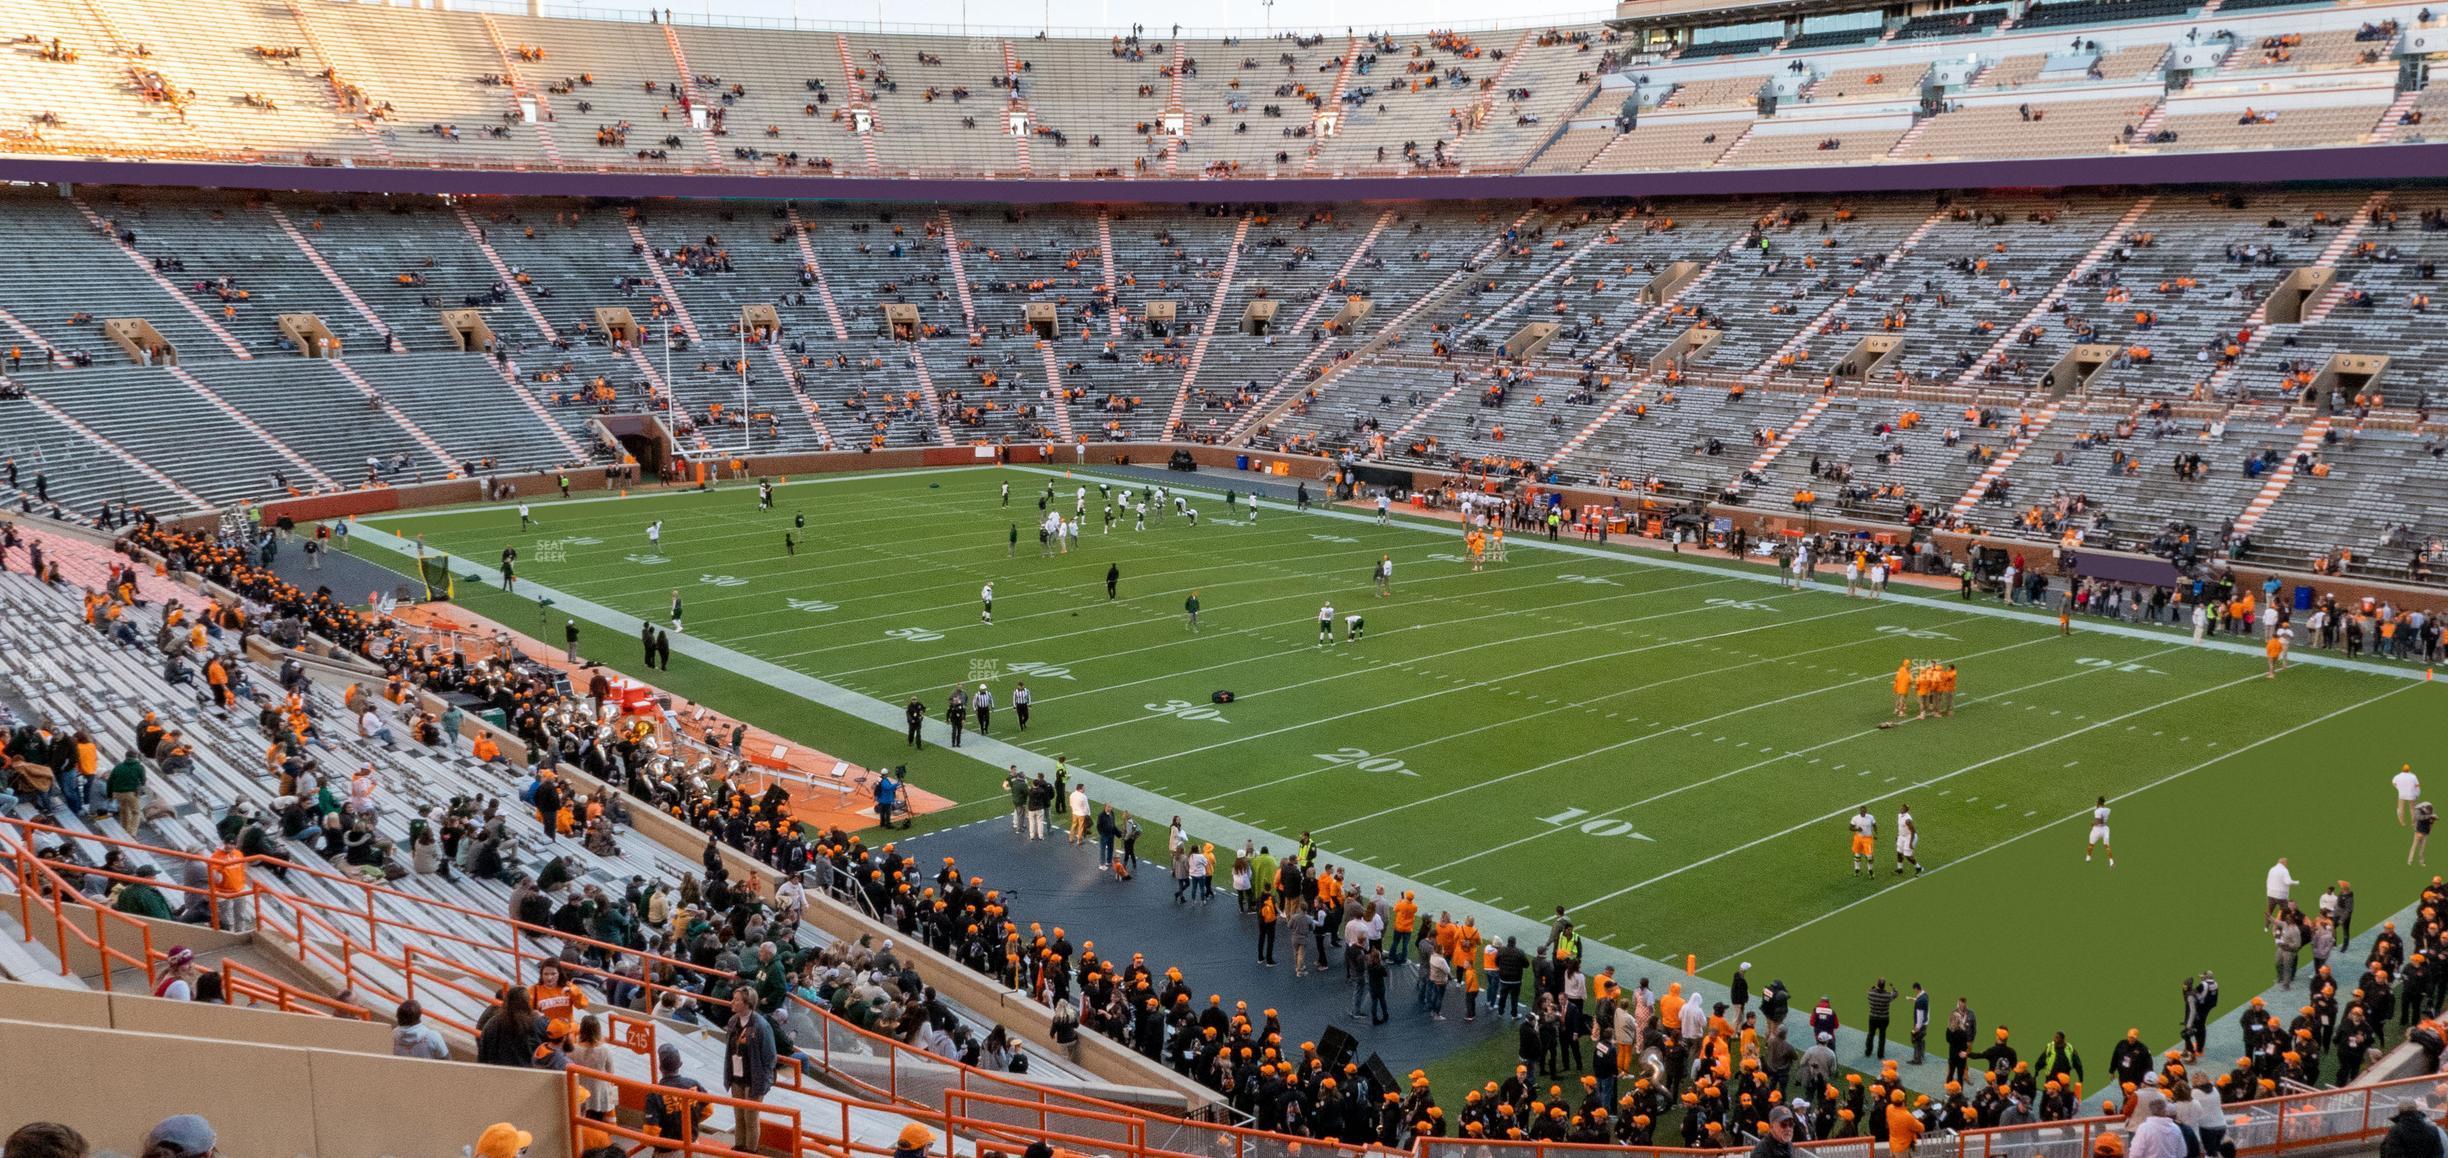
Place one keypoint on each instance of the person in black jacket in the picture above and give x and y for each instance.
(916, 713)
(2410, 1135)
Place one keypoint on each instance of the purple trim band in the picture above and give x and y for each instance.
(2428, 161)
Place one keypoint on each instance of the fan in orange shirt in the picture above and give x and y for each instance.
(1903, 686)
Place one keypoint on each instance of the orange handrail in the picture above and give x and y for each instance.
(691, 1145)
(261, 988)
(35, 877)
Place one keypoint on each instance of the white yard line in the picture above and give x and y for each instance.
(1378, 666)
(1188, 637)
(1472, 686)
(1841, 813)
(1650, 557)
(2078, 814)
(1577, 705)
(1679, 789)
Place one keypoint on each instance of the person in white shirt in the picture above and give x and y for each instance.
(1878, 577)
(2099, 834)
(2281, 886)
(986, 604)
(1907, 841)
(1326, 625)
(654, 533)
(2409, 790)
(524, 519)
(1694, 1019)
(1865, 841)
(2157, 1135)
(1383, 505)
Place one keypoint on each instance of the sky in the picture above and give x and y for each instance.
(1250, 16)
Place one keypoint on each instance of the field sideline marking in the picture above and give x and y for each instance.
(1571, 706)
(1778, 759)
(1839, 814)
(2074, 815)
(1650, 557)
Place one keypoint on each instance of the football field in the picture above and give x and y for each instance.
(1668, 748)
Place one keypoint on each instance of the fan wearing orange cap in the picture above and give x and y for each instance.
(503, 1140)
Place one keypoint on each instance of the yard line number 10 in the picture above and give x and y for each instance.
(1599, 826)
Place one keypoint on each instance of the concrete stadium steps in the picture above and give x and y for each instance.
(83, 469)
(461, 402)
(2041, 308)
(175, 429)
(65, 266)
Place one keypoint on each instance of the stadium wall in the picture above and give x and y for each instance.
(2358, 163)
(265, 1080)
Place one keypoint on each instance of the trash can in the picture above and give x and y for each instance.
(1240, 462)
(2303, 598)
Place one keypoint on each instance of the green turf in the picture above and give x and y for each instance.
(1672, 754)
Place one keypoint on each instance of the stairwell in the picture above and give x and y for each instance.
(807, 405)
(503, 272)
(1434, 404)
(519, 88)
(1334, 102)
(1056, 396)
(338, 86)
(694, 98)
(2150, 123)
(26, 334)
(1633, 388)
(1215, 313)
(2006, 458)
(1802, 337)
(1011, 70)
(2393, 118)
(1388, 333)
(292, 457)
(1785, 438)
(1623, 400)
(1308, 317)
(526, 397)
(2280, 477)
(1175, 108)
(1659, 310)
(113, 449)
(815, 268)
(236, 348)
(1513, 305)
(314, 258)
(432, 445)
(934, 401)
(1482, 108)
(960, 274)
(1740, 139)
(2257, 326)
(1903, 146)
(2040, 309)
(859, 100)
(1113, 279)
(663, 283)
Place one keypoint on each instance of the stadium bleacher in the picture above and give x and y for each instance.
(2246, 367)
